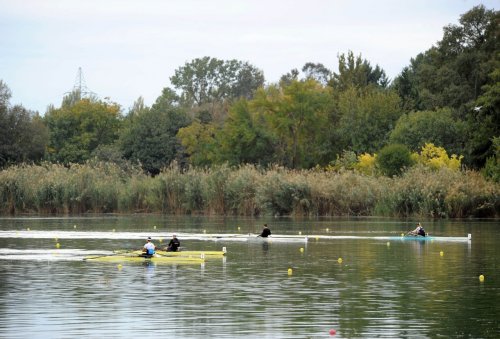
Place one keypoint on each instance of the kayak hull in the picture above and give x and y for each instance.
(139, 259)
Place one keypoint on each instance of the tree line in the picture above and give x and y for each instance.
(223, 112)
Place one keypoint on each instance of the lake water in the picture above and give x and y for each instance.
(382, 288)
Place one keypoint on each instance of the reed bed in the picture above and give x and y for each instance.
(244, 190)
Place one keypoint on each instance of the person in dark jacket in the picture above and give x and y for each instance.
(265, 232)
(174, 244)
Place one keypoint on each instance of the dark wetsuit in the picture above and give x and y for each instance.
(421, 231)
(265, 233)
(173, 245)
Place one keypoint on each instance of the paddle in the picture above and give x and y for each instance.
(116, 252)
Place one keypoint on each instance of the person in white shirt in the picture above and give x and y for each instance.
(149, 248)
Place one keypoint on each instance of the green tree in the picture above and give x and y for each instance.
(244, 138)
(297, 115)
(23, 135)
(150, 134)
(393, 159)
(460, 72)
(77, 129)
(206, 83)
(415, 129)
(356, 72)
(200, 143)
(367, 116)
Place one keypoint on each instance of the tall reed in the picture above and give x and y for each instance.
(244, 190)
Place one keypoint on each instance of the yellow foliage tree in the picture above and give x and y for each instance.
(366, 163)
(436, 157)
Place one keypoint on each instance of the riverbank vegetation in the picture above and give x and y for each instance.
(221, 140)
(245, 190)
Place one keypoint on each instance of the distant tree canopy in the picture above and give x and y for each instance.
(205, 84)
(461, 73)
(79, 127)
(23, 136)
(149, 135)
(222, 111)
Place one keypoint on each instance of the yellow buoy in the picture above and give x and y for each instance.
(154, 227)
(402, 234)
(327, 230)
(239, 228)
(58, 245)
(28, 229)
(339, 260)
(481, 278)
(317, 238)
(388, 244)
(114, 230)
(74, 226)
(302, 250)
(204, 231)
(290, 271)
(300, 232)
(119, 266)
(441, 253)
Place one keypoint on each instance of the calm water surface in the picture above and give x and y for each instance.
(381, 289)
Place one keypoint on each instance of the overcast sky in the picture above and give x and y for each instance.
(130, 48)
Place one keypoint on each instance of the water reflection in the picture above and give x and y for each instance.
(402, 290)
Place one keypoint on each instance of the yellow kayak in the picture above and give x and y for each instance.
(155, 259)
(188, 254)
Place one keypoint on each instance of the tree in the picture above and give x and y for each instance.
(367, 117)
(317, 72)
(23, 135)
(393, 159)
(453, 72)
(200, 143)
(298, 116)
(244, 138)
(358, 73)
(150, 134)
(415, 129)
(77, 129)
(207, 82)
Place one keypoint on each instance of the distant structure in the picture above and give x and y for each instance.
(80, 87)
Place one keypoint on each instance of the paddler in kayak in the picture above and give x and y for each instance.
(418, 231)
(149, 249)
(174, 244)
(265, 232)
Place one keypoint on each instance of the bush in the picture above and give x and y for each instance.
(394, 159)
